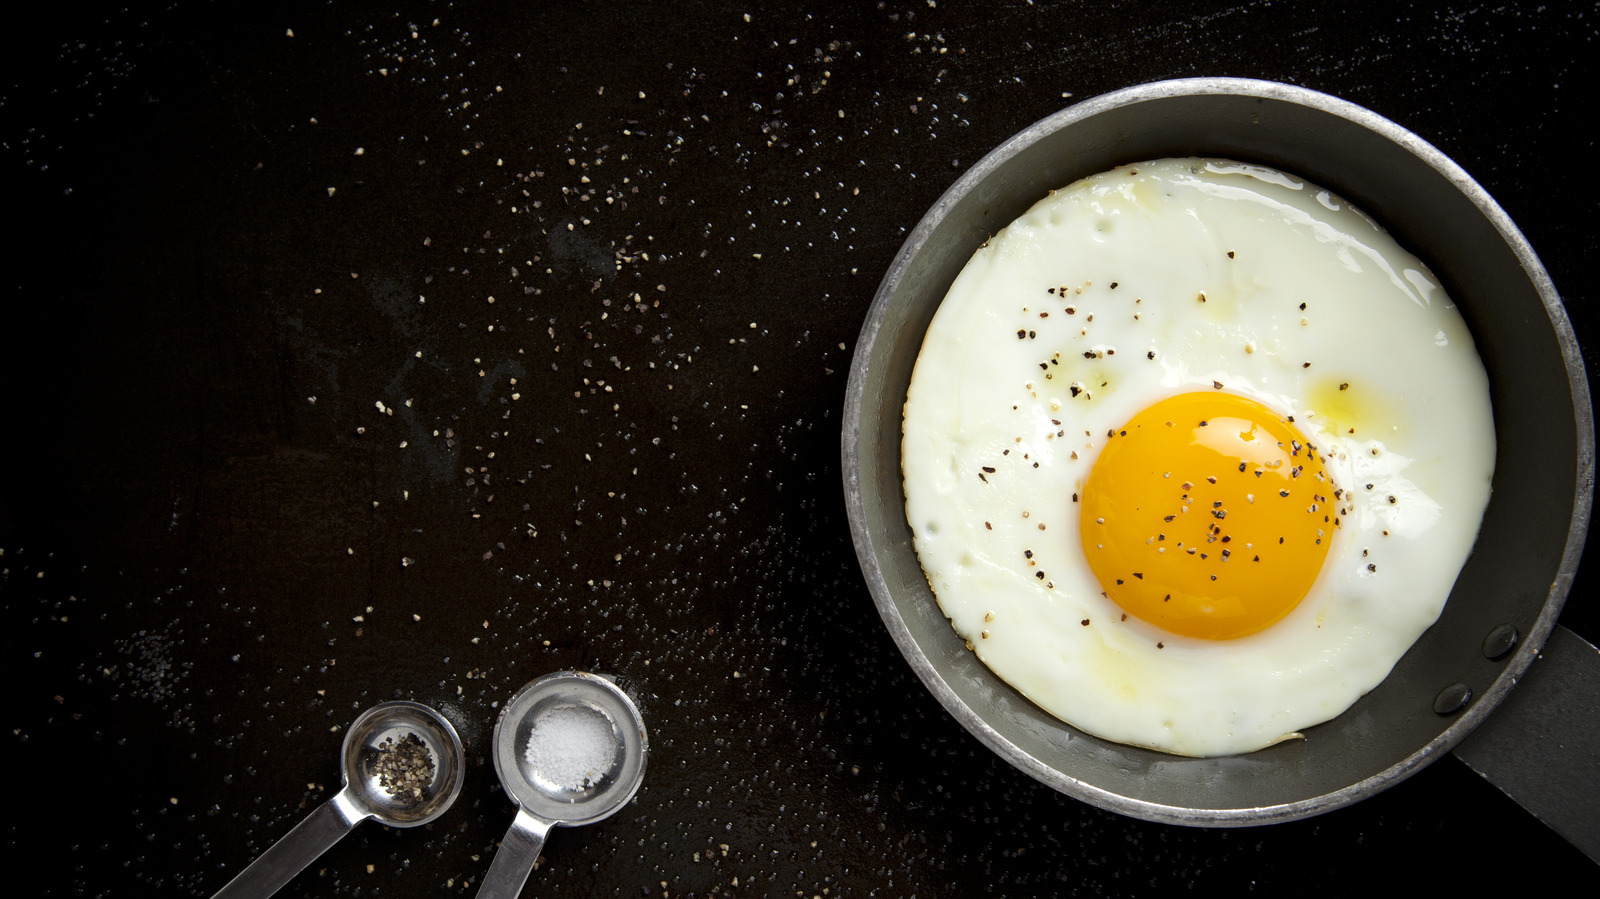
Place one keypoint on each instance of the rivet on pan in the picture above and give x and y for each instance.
(1500, 641)
(1452, 699)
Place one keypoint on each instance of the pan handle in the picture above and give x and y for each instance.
(1541, 746)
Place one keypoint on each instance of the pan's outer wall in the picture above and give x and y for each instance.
(1533, 533)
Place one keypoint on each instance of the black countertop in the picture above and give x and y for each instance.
(359, 355)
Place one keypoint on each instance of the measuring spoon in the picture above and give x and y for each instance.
(570, 749)
(402, 765)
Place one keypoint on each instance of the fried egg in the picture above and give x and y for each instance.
(1193, 452)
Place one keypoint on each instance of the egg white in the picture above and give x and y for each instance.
(1162, 278)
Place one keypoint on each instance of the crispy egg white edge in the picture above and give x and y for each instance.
(1374, 315)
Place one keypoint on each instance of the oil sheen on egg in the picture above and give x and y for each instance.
(1193, 453)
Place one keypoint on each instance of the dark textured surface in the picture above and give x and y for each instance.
(208, 574)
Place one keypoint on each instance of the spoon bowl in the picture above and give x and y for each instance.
(402, 763)
(570, 747)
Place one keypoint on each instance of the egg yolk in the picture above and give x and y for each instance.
(1208, 515)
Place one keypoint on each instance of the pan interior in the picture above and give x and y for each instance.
(1436, 212)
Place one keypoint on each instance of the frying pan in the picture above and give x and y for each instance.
(1506, 600)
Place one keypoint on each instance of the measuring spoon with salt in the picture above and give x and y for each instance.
(570, 749)
(402, 765)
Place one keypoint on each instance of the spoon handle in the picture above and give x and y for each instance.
(514, 860)
(298, 848)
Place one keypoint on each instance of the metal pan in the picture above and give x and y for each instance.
(1532, 535)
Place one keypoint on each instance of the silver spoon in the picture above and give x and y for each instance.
(570, 749)
(402, 764)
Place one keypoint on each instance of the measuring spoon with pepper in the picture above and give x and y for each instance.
(402, 765)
